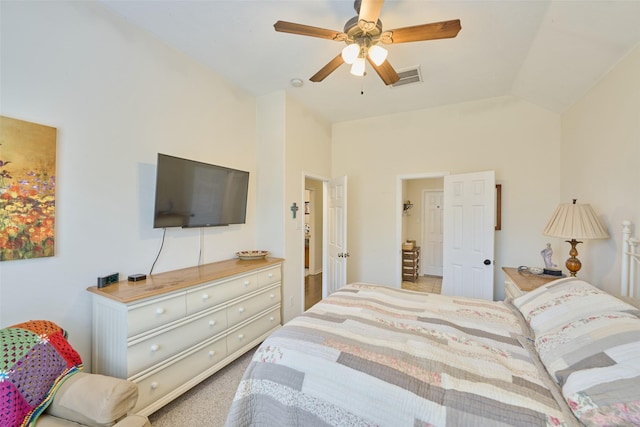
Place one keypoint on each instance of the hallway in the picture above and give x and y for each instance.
(431, 284)
(312, 289)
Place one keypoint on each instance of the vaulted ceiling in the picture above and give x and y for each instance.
(549, 53)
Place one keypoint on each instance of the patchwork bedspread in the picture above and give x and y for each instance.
(372, 355)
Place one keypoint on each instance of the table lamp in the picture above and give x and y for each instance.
(575, 221)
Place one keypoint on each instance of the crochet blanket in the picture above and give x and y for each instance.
(35, 359)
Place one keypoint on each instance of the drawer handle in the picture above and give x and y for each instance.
(212, 322)
(246, 283)
(154, 385)
(205, 297)
(211, 353)
(272, 296)
(154, 348)
(241, 310)
(270, 275)
(160, 310)
(271, 319)
(240, 337)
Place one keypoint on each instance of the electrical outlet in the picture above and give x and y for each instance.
(290, 301)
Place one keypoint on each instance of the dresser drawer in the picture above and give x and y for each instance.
(269, 276)
(146, 352)
(511, 290)
(244, 309)
(244, 335)
(145, 316)
(166, 380)
(211, 295)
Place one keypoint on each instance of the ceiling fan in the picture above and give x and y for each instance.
(363, 33)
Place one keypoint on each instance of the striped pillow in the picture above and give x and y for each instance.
(607, 395)
(586, 343)
(565, 300)
(589, 342)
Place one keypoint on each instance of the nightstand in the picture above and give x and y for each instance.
(519, 283)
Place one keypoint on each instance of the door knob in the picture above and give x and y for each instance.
(487, 262)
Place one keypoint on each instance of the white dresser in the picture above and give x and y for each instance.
(171, 331)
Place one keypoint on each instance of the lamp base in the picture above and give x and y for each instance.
(573, 264)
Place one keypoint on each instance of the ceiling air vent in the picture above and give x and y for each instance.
(409, 76)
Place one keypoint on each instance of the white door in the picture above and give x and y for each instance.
(469, 227)
(337, 236)
(433, 210)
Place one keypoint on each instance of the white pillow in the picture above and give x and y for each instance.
(566, 300)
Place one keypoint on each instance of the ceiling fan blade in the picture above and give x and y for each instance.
(433, 31)
(327, 69)
(385, 71)
(369, 14)
(307, 30)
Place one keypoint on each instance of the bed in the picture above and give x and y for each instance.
(565, 354)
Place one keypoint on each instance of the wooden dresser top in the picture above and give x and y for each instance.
(126, 291)
(527, 281)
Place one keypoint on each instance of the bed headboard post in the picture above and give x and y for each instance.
(630, 261)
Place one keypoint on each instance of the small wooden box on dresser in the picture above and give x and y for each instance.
(171, 331)
(519, 283)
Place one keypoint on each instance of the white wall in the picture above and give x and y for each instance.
(117, 97)
(520, 141)
(601, 164)
(271, 173)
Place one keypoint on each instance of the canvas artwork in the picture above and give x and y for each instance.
(27, 189)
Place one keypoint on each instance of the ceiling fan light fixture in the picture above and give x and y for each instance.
(363, 32)
(378, 54)
(350, 53)
(357, 68)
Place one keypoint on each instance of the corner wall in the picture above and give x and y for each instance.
(601, 165)
(308, 151)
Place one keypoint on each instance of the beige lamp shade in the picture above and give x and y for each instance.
(575, 221)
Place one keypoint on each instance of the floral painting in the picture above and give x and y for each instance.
(27, 189)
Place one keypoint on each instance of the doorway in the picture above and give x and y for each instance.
(422, 216)
(432, 231)
(313, 240)
(468, 231)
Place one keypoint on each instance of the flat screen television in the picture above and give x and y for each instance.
(196, 194)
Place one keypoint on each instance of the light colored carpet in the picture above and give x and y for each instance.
(207, 403)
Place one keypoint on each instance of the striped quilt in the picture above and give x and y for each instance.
(372, 355)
